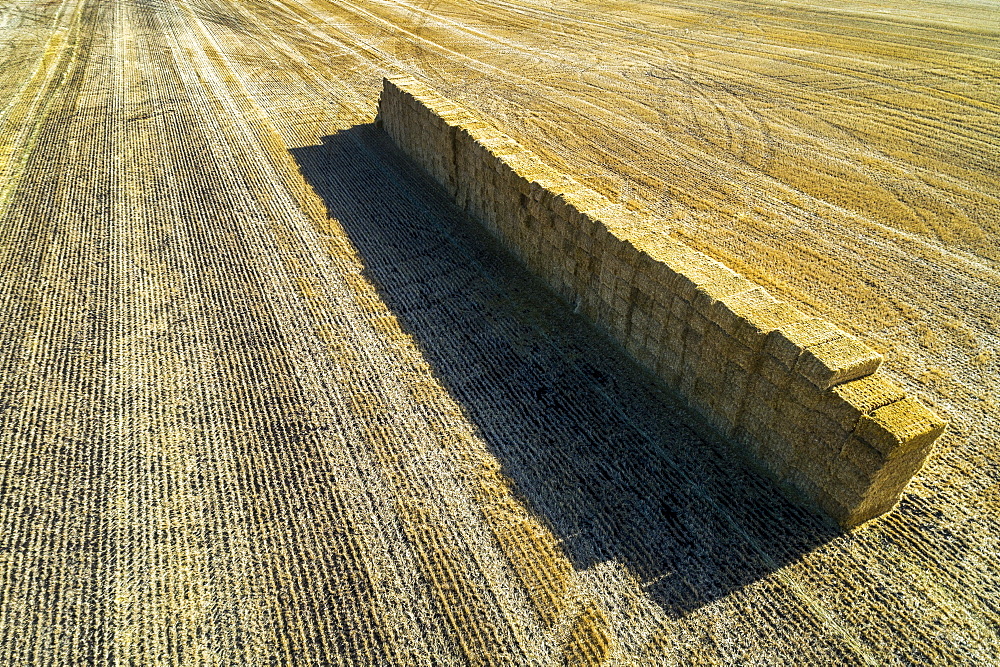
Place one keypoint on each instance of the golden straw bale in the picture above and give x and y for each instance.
(776, 453)
(702, 281)
(477, 129)
(802, 482)
(517, 164)
(728, 311)
(845, 498)
(663, 249)
(804, 392)
(617, 220)
(741, 356)
(773, 372)
(761, 390)
(755, 324)
(900, 427)
(846, 402)
(851, 477)
(861, 455)
(836, 361)
(787, 342)
(716, 339)
(500, 145)
(826, 437)
(582, 199)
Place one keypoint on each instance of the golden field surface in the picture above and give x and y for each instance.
(268, 398)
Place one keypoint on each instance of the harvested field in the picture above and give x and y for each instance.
(268, 397)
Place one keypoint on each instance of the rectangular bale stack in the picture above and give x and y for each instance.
(795, 395)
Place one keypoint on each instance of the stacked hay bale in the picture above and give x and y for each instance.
(795, 395)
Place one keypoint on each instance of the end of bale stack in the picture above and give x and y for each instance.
(888, 446)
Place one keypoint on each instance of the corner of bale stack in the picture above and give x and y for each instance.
(888, 447)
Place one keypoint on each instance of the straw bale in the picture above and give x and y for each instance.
(878, 498)
(846, 498)
(608, 273)
(500, 145)
(795, 418)
(655, 326)
(668, 365)
(739, 355)
(719, 421)
(846, 402)
(592, 232)
(804, 392)
(637, 345)
(536, 209)
(773, 372)
(613, 246)
(473, 154)
(833, 508)
(689, 369)
(680, 309)
(776, 453)
(896, 473)
(709, 373)
(686, 269)
(522, 164)
(660, 303)
(731, 348)
(787, 342)
(674, 330)
(803, 481)
(624, 275)
(617, 220)
(699, 323)
(862, 455)
(702, 280)
(826, 436)
(852, 477)
(558, 199)
(703, 389)
(517, 164)
(758, 322)
(717, 339)
(627, 294)
(619, 322)
(728, 310)
(602, 304)
(543, 180)
(476, 129)
(900, 427)
(564, 287)
(716, 284)
(661, 248)
(761, 390)
(835, 361)
(405, 85)
(453, 115)
(582, 199)
(731, 396)
(758, 412)
(646, 271)
(642, 298)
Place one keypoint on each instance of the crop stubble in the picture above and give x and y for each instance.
(267, 397)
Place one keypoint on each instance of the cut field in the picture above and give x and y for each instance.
(267, 397)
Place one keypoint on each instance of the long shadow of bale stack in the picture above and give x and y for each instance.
(595, 449)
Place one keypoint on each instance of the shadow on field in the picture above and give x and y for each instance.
(615, 469)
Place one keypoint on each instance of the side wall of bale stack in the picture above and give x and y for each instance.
(794, 394)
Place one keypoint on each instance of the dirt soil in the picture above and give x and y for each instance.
(266, 397)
